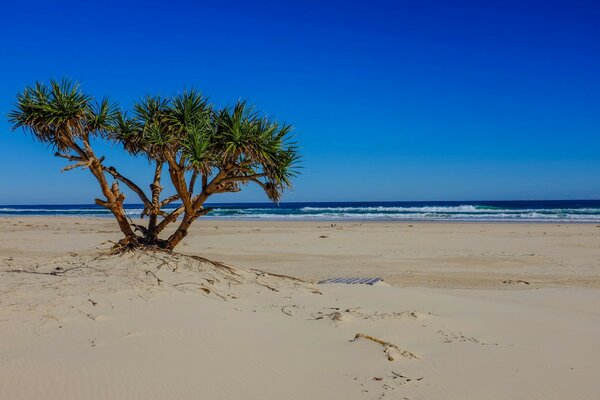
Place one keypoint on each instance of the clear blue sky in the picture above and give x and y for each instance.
(392, 100)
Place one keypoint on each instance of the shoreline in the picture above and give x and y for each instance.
(334, 220)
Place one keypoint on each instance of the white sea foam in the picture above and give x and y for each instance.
(462, 208)
(418, 216)
(464, 212)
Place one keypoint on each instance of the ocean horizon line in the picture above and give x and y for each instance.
(322, 201)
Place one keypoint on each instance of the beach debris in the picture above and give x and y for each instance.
(286, 309)
(391, 350)
(406, 378)
(295, 281)
(451, 337)
(338, 314)
(202, 288)
(517, 281)
(262, 273)
(335, 316)
(90, 316)
(352, 281)
(286, 312)
(58, 271)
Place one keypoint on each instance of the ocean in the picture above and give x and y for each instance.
(583, 211)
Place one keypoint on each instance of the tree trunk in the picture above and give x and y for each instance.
(121, 217)
(114, 202)
(181, 232)
(152, 233)
(182, 229)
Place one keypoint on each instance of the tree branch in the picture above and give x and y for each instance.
(244, 178)
(130, 184)
(169, 200)
(193, 181)
(83, 164)
(68, 157)
(172, 217)
(178, 180)
(261, 184)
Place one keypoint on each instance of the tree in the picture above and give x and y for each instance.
(205, 150)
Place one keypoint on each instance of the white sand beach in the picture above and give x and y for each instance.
(470, 311)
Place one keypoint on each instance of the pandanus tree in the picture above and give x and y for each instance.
(205, 150)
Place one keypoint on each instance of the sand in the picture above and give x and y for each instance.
(471, 311)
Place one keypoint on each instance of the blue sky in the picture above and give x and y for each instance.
(391, 100)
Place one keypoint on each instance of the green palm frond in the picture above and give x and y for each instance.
(57, 114)
(150, 109)
(263, 146)
(198, 147)
(126, 130)
(103, 116)
(146, 133)
(187, 109)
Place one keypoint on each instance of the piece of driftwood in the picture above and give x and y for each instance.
(388, 348)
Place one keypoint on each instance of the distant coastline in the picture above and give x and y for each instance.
(564, 211)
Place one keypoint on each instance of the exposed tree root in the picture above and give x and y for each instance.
(168, 270)
(217, 264)
(201, 287)
(158, 280)
(278, 275)
(138, 243)
(388, 348)
(295, 281)
(58, 271)
(271, 288)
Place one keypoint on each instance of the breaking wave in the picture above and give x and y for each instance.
(534, 211)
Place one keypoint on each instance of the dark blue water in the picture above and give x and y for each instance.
(530, 210)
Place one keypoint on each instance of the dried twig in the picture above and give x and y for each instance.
(58, 271)
(158, 280)
(509, 281)
(274, 289)
(90, 316)
(278, 275)
(201, 287)
(406, 378)
(215, 264)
